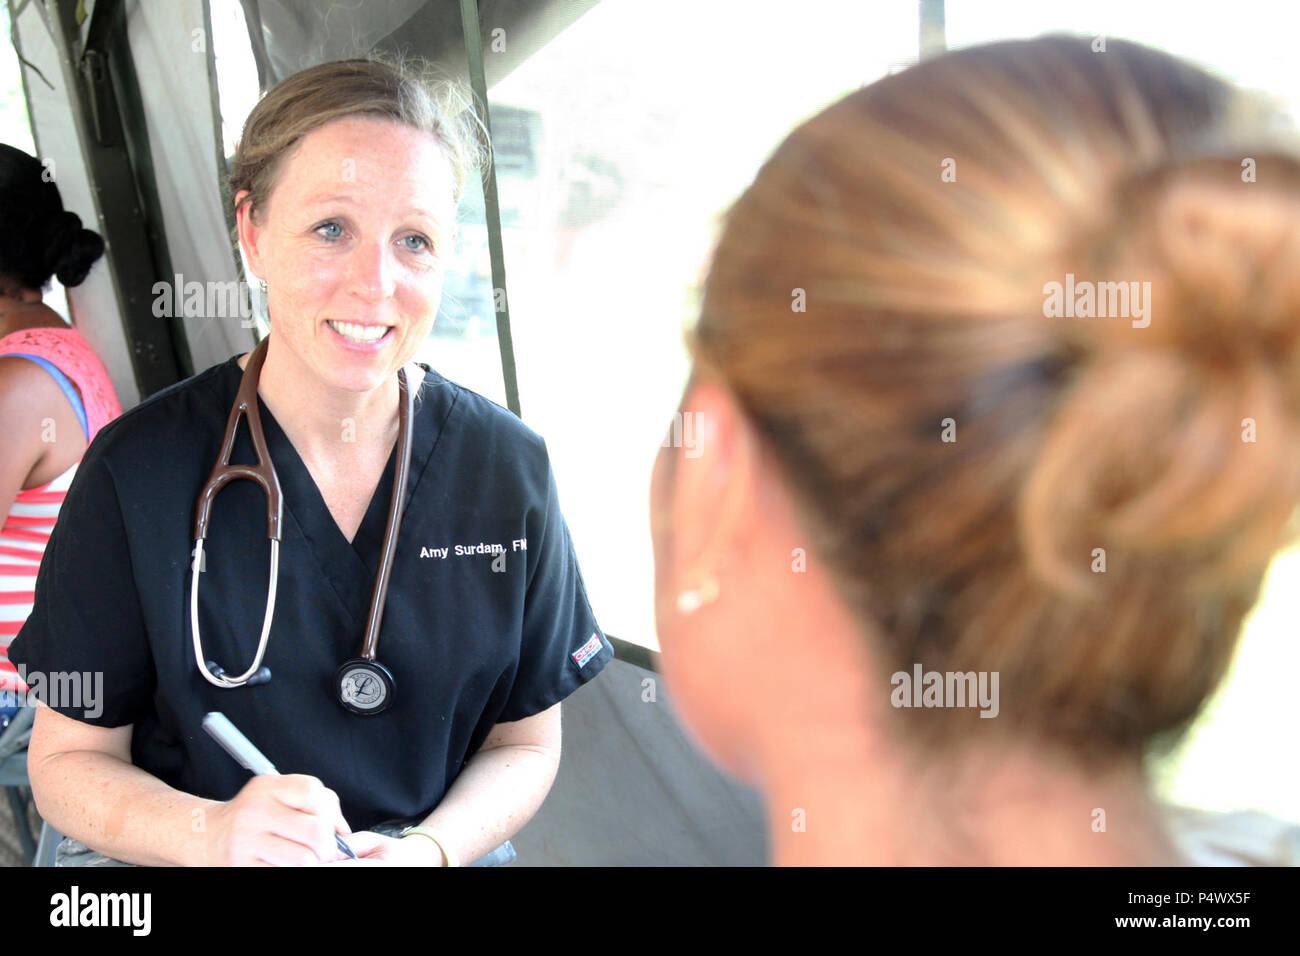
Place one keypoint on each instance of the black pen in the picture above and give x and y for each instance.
(225, 733)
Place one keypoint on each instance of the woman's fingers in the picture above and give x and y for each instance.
(365, 842)
(310, 830)
(284, 821)
(308, 794)
(275, 850)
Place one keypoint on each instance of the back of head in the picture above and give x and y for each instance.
(40, 239)
(1040, 407)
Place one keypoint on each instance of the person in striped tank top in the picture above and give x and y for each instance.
(55, 393)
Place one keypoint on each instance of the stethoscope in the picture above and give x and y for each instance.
(362, 684)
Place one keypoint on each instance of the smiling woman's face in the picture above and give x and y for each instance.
(351, 243)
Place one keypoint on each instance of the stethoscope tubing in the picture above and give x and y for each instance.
(264, 474)
(223, 680)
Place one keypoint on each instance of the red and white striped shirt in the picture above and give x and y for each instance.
(27, 527)
(22, 542)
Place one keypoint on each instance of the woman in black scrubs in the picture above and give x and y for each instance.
(346, 184)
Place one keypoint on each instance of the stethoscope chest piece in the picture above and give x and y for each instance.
(364, 687)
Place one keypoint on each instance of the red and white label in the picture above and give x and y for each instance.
(587, 651)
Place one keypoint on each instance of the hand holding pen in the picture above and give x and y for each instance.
(277, 820)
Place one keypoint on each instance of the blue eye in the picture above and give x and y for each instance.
(336, 234)
(421, 243)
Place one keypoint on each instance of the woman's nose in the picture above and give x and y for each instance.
(371, 271)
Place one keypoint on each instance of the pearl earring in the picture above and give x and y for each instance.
(692, 599)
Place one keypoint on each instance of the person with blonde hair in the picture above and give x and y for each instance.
(425, 615)
(997, 387)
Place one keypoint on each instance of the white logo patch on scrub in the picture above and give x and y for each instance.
(587, 651)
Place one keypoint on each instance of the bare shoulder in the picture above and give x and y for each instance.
(30, 400)
(25, 386)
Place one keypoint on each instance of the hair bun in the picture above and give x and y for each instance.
(1176, 444)
(71, 250)
(1221, 256)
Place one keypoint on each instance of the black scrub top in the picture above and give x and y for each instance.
(487, 619)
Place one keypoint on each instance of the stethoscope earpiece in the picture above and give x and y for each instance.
(262, 676)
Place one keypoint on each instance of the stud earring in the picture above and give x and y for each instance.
(692, 599)
(262, 283)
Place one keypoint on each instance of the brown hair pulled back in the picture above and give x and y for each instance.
(1075, 437)
(406, 92)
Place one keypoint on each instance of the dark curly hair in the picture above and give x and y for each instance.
(39, 238)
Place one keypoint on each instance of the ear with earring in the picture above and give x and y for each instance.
(266, 302)
(692, 599)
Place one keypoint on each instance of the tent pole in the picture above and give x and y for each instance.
(478, 80)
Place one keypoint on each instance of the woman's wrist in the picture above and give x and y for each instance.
(203, 848)
(435, 842)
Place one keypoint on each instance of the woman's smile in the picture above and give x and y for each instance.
(359, 337)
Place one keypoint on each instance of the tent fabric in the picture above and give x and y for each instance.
(300, 33)
(171, 47)
(94, 303)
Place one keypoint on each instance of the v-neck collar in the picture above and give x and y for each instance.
(350, 566)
